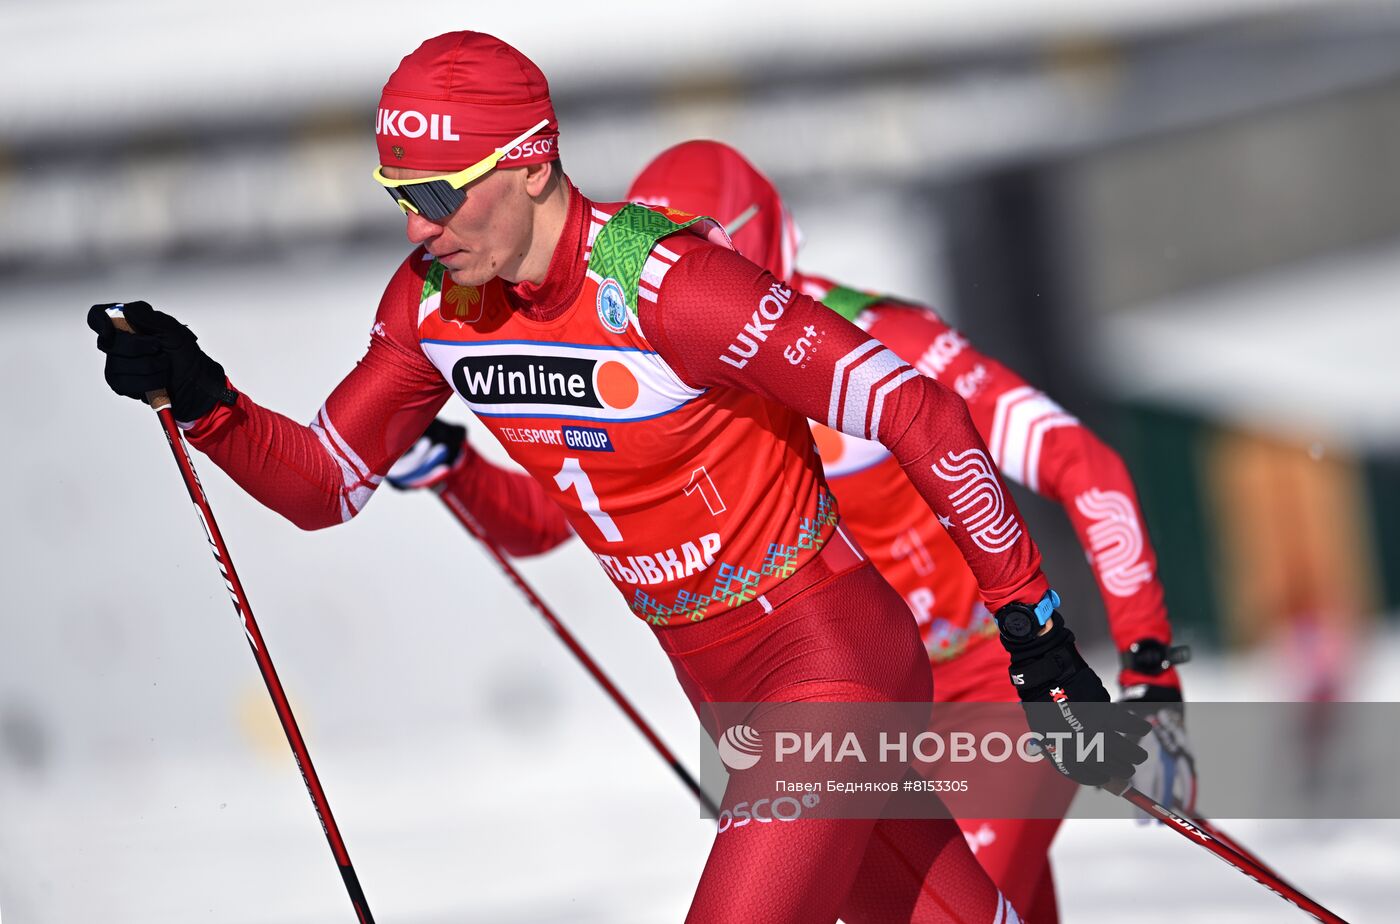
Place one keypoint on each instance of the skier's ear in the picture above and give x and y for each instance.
(539, 178)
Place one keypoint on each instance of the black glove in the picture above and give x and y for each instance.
(430, 459)
(1061, 695)
(161, 354)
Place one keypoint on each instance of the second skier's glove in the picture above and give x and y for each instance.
(1169, 775)
(430, 459)
(162, 353)
(1089, 739)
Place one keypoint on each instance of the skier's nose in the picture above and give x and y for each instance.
(420, 229)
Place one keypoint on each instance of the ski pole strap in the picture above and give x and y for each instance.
(1149, 656)
(849, 303)
(622, 246)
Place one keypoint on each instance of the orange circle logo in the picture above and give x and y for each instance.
(831, 445)
(617, 386)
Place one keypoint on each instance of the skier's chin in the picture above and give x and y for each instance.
(466, 269)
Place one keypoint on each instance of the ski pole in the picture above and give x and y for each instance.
(1214, 831)
(464, 516)
(1210, 828)
(1195, 833)
(160, 403)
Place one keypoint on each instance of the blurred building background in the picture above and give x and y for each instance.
(1182, 220)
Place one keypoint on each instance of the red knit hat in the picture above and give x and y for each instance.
(458, 98)
(710, 178)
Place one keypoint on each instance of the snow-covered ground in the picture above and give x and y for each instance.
(476, 772)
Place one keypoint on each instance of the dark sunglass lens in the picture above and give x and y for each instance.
(434, 201)
(396, 195)
(437, 200)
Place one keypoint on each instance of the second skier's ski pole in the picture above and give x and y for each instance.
(460, 511)
(1239, 861)
(1214, 831)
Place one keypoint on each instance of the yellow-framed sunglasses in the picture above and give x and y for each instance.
(436, 197)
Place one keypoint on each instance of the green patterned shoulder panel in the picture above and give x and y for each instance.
(850, 302)
(432, 282)
(621, 248)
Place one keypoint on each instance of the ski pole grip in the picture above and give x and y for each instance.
(159, 399)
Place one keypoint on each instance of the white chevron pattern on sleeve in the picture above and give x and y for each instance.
(860, 383)
(1023, 416)
(359, 481)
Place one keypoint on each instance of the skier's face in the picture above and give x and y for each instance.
(488, 236)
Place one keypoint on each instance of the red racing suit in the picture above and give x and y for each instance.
(671, 431)
(1032, 440)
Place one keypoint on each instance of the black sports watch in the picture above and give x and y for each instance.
(1020, 622)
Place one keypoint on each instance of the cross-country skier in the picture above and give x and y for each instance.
(634, 365)
(1033, 440)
